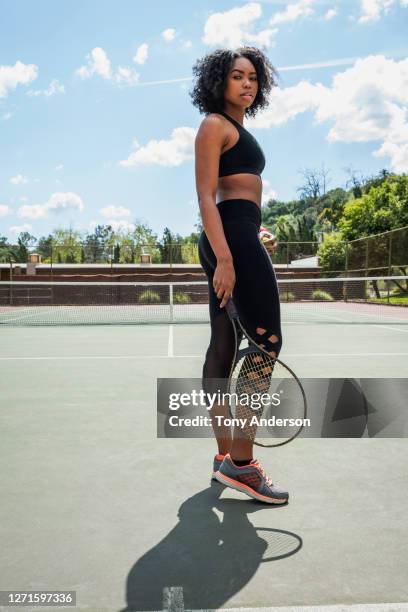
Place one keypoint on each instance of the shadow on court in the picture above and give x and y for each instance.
(209, 559)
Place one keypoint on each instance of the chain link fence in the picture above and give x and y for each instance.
(383, 254)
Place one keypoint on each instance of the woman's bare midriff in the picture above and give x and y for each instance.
(243, 186)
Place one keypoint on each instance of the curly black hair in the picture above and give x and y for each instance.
(212, 70)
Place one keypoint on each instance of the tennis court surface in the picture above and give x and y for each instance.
(94, 502)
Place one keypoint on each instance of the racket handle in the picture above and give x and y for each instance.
(231, 310)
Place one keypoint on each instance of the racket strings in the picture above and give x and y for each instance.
(252, 376)
(255, 372)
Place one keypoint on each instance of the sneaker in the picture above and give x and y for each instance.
(251, 480)
(218, 459)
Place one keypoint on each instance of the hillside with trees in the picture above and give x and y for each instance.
(320, 216)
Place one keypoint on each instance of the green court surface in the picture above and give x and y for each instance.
(93, 502)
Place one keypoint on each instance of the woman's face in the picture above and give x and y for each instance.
(242, 83)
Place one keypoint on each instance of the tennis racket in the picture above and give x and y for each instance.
(263, 387)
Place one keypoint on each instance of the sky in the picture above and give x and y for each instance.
(97, 125)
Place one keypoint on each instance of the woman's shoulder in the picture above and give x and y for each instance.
(212, 125)
(213, 119)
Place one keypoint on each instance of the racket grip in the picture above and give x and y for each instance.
(231, 309)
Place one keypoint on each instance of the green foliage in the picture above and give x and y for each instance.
(66, 246)
(321, 296)
(384, 207)
(181, 298)
(286, 296)
(332, 252)
(170, 247)
(149, 296)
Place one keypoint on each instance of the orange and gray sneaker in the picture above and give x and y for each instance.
(251, 480)
(218, 459)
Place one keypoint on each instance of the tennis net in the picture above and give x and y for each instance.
(313, 300)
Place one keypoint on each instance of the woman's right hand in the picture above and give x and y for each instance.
(224, 280)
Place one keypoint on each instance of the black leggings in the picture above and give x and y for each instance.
(255, 293)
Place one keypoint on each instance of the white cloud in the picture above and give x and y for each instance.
(98, 63)
(330, 14)
(121, 225)
(5, 210)
(170, 153)
(18, 179)
(232, 28)
(17, 229)
(19, 74)
(54, 87)
(23, 199)
(373, 10)
(188, 43)
(141, 54)
(6, 116)
(56, 203)
(169, 34)
(115, 211)
(59, 167)
(126, 76)
(295, 10)
(367, 102)
(267, 192)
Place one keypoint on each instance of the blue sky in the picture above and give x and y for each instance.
(89, 134)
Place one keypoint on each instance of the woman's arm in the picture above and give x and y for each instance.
(208, 145)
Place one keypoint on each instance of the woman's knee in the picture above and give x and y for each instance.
(270, 339)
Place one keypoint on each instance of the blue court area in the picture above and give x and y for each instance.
(92, 501)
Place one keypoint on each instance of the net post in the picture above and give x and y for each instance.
(171, 303)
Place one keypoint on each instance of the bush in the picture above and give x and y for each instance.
(181, 298)
(149, 297)
(321, 296)
(332, 252)
(286, 296)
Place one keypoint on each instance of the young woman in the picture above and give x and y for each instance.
(229, 162)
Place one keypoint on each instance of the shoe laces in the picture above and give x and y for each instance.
(268, 480)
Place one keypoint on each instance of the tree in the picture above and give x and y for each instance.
(126, 246)
(7, 251)
(314, 185)
(382, 208)
(116, 253)
(44, 247)
(331, 207)
(170, 247)
(25, 240)
(332, 253)
(66, 246)
(96, 244)
(354, 181)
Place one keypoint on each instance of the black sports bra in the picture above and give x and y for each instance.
(245, 156)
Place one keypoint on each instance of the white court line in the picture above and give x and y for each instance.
(144, 357)
(170, 345)
(393, 328)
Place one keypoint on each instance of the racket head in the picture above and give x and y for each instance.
(266, 388)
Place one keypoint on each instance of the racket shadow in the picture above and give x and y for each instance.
(208, 557)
